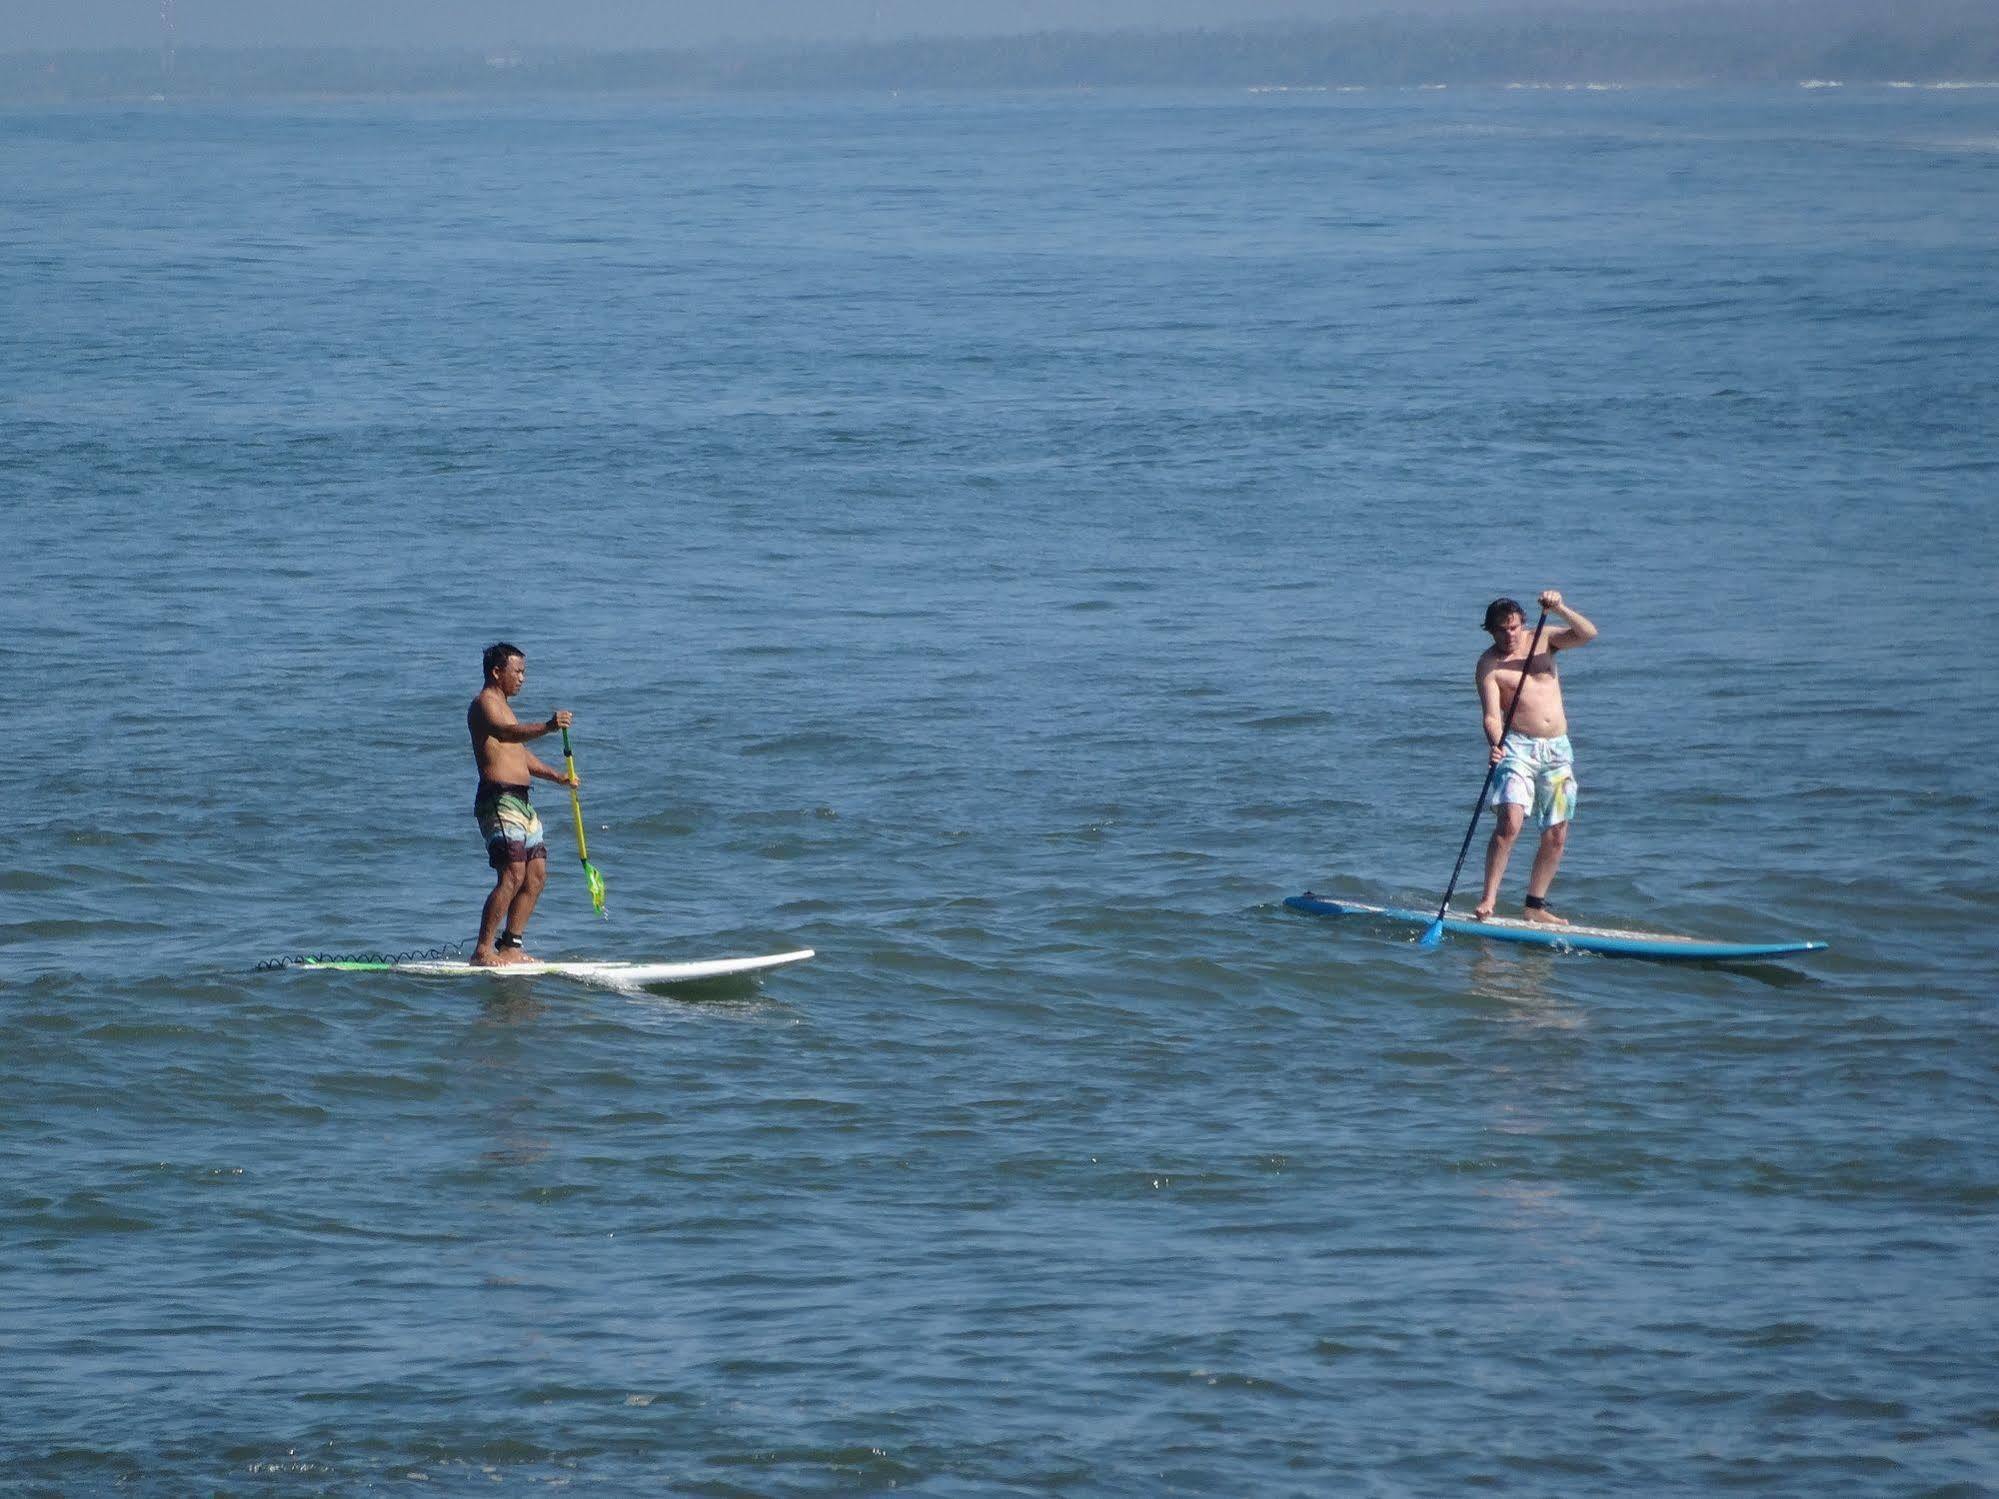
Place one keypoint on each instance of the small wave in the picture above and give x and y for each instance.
(29, 881)
(1316, 718)
(66, 927)
(1821, 83)
(804, 742)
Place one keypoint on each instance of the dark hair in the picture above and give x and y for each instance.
(497, 653)
(1498, 609)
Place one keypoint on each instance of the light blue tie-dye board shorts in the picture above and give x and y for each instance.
(1538, 774)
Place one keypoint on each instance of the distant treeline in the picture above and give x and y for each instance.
(1756, 41)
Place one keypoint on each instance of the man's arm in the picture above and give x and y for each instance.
(1488, 700)
(550, 773)
(1579, 632)
(511, 731)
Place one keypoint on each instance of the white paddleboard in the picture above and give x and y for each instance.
(622, 974)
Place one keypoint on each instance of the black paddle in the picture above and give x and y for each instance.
(1434, 932)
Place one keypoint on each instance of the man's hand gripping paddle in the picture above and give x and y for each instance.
(1434, 932)
(582, 849)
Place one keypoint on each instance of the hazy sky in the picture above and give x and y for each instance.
(33, 25)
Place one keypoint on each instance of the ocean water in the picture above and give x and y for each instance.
(1006, 544)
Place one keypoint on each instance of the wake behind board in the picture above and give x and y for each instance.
(1597, 939)
(623, 975)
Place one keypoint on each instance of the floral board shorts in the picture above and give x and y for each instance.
(509, 824)
(1538, 774)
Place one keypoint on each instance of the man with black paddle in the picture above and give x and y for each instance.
(1533, 763)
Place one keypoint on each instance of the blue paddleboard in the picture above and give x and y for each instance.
(1562, 938)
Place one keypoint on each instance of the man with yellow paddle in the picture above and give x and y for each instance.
(507, 819)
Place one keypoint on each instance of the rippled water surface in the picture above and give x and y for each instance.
(1006, 545)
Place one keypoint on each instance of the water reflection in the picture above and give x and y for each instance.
(1521, 981)
(511, 1002)
(508, 1152)
(1534, 1085)
(499, 1070)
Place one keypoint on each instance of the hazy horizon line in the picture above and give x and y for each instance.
(1761, 41)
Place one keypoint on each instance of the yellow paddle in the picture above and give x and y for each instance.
(582, 849)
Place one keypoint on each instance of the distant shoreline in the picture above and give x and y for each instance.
(1940, 44)
(361, 94)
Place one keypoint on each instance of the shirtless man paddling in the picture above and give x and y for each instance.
(1536, 766)
(507, 820)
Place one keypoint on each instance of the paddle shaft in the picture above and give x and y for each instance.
(590, 876)
(1505, 728)
(575, 802)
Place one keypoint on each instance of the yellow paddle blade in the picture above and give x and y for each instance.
(596, 880)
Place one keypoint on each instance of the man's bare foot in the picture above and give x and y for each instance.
(1482, 911)
(504, 957)
(1543, 915)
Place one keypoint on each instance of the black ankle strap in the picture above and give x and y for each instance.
(1534, 903)
(508, 939)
